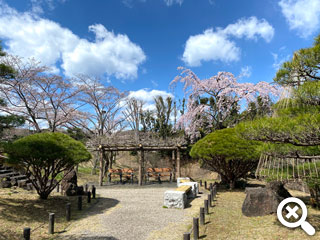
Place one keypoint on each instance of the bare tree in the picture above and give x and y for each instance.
(100, 114)
(132, 113)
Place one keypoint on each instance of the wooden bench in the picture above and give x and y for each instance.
(128, 173)
(157, 173)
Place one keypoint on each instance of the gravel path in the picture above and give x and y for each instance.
(124, 212)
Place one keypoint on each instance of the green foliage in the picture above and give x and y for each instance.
(257, 109)
(5, 71)
(303, 67)
(225, 152)
(45, 156)
(44, 149)
(77, 134)
(227, 144)
(296, 120)
(164, 108)
(10, 121)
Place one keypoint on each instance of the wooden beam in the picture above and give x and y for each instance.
(178, 163)
(137, 148)
(173, 161)
(101, 167)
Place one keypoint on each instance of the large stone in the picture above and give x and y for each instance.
(263, 201)
(175, 199)
(69, 184)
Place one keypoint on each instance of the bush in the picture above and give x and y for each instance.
(224, 152)
(44, 156)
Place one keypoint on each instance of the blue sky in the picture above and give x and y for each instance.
(137, 45)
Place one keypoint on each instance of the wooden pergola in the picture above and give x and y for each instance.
(142, 143)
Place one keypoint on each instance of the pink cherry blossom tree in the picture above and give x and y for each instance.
(44, 100)
(223, 93)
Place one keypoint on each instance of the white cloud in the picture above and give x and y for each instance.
(171, 2)
(245, 72)
(209, 46)
(39, 6)
(28, 35)
(148, 96)
(250, 28)
(213, 45)
(302, 15)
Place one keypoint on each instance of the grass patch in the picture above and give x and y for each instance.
(226, 221)
(20, 208)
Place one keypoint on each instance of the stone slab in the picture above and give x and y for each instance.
(175, 199)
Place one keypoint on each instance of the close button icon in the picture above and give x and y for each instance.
(292, 212)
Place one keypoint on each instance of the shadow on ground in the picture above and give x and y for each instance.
(36, 210)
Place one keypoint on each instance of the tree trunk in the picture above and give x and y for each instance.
(232, 184)
(94, 165)
(44, 195)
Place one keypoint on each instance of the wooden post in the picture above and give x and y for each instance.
(205, 184)
(58, 187)
(214, 190)
(109, 177)
(200, 183)
(186, 236)
(206, 207)
(68, 211)
(132, 178)
(93, 192)
(209, 200)
(210, 185)
(141, 167)
(120, 175)
(26, 233)
(86, 187)
(101, 166)
(178, 163)
(89, 197)
(174, 165)
(51, 223)
(195, 228)
(202, 216)
(79, 202)
(159, 178)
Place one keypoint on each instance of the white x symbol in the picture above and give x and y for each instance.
(292, 212)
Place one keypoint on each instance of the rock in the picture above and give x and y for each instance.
(263, 201)
(69, 184)
(278, 188)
